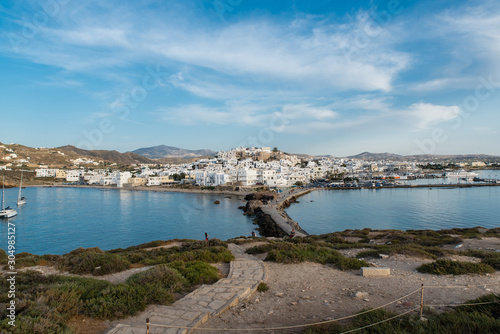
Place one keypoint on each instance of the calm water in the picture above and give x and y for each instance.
(423, 208)
(58, 220)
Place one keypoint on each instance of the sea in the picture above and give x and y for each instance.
(327, 211)
(57, 220)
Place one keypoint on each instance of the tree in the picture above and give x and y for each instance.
(299, 183)
(275, 149)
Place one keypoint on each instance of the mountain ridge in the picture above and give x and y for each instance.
(164, 151)
(126, 158)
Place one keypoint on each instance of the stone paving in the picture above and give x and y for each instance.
(208, 301)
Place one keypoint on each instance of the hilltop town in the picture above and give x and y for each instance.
(238, 167)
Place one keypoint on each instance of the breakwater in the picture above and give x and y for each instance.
(270, 216)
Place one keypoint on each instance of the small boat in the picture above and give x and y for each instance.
(6, 212)
(20, 199)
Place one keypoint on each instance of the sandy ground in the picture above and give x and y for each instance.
(306, 293)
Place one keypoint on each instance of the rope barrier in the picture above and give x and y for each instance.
(460, 286)
(288, 327)
(455, 305)
(378, 323)
(343, 318)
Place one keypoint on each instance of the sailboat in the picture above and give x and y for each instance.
(7, 212)
(20, 199)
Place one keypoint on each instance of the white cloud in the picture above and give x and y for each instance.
(444, 84)
(427, 114)
(264, 50)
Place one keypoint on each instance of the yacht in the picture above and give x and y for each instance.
(6, 212)
(20, 199)
(462, 174)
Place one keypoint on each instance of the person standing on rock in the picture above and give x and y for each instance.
(206, 236)
(292, 234)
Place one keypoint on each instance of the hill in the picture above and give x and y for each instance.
(376, 156)
(112, 156)
(163, 151)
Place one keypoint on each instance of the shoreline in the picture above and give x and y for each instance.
(273, 212)
(152, 188)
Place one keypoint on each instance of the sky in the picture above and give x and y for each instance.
(315, 77)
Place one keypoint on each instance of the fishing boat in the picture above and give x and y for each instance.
(6, 212)
(20, 199)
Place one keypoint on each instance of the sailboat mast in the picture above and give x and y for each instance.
(20, 186)
(3, 191)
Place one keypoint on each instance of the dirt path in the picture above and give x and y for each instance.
(308, 292)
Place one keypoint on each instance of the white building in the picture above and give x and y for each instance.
(46, 172)
(247, 176)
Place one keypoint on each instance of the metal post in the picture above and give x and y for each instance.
(147, 325)
(422, 302)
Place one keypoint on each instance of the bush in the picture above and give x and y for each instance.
(92, 261)
(262, 287)
(447, 267)
(196, 272)
(117, 301)
(288, 252)
(163, 275)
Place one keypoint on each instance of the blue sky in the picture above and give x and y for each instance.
(317, 77)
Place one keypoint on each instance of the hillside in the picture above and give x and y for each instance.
(112, 156)
(37, 156)
(163, 151)
(376, 156)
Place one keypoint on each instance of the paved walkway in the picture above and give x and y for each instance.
(208, 301)
(275, 210)
(281, 221)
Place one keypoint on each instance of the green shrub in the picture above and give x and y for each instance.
(494, 262)
(162, 274)
(262, 287)
(488, 257)
(375, 254)
(447, 267)
(287, 252)
(92, 261)
(196, 272)
(116, 301)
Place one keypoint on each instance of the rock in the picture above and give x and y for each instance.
(366, 299)
(384, 256)
(216, 202)
(293, 303)
(361, 294)
(279, 294)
